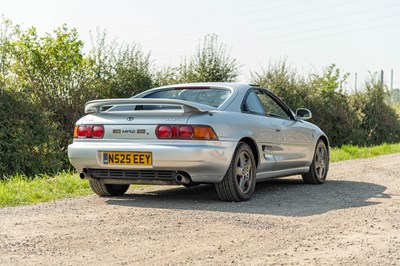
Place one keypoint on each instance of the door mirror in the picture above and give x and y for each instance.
(303, 114)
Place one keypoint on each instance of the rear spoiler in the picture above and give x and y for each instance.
(188, 107)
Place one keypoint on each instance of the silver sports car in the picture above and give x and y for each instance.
(231, 135)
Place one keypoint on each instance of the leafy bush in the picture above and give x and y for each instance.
(378, 120)
(332, 108)
(27, 141)
(120, 70)
(53, 72)
(281, 79)
(211, 63)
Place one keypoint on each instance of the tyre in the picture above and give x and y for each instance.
(102, 189)
(319, 166)
(240, 179)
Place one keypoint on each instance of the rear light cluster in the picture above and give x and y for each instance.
(89, 132)
(196, 132)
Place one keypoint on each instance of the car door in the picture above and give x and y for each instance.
(292, 138)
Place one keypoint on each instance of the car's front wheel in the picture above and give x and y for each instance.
(319, 166)
(240, 180)
(102, 189)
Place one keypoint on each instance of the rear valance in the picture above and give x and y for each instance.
(187, 107)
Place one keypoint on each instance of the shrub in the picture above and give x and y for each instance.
(120, 70)
(332, 108)
(211, 63)
(379, 121)
(53, 72)
(27, 140)
(283, 80)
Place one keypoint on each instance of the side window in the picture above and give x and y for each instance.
(253, 105)
(271, 107)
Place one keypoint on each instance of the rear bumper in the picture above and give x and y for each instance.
(204, 161)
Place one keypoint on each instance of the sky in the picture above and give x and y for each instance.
(359, 36)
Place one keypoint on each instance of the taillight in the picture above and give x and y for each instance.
(88, 132)
(204, 132)
(98, 132)
(164, 132)
(82, 131)
(185, 132)
(197, 132)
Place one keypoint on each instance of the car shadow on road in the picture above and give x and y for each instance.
(282, 197)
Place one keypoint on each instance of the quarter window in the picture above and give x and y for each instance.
(253, 104)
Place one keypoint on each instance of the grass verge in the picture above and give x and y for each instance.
(19, 190)
(348, 152)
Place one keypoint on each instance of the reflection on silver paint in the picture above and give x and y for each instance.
(269, 157)
(175, 119)
(220, 155)
(268, 152)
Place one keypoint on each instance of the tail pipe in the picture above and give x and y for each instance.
(84, 175)
(183, 178)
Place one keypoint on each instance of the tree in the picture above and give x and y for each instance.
(283, 80)
(53, 72)
(8, 33)
(379, 121)
(211, 63)
(121, 70)
(332, 107)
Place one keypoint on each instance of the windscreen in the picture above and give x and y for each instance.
(208, 96)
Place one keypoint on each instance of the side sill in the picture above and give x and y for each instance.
(281, 173)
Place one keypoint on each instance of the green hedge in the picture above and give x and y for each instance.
(27, 140)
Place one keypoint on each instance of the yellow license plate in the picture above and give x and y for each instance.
(128, 158)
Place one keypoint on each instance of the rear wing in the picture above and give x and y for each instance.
(187, 107)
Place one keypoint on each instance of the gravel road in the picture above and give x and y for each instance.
(354, 218)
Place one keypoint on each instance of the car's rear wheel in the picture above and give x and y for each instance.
(319, 166)
(102, 189)
(240, 180)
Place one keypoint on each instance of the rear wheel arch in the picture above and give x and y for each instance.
(253, 146)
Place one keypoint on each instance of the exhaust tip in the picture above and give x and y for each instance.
(82, 175)
(179, 178)
(183, 179)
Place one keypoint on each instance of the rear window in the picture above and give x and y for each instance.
(208, 96)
